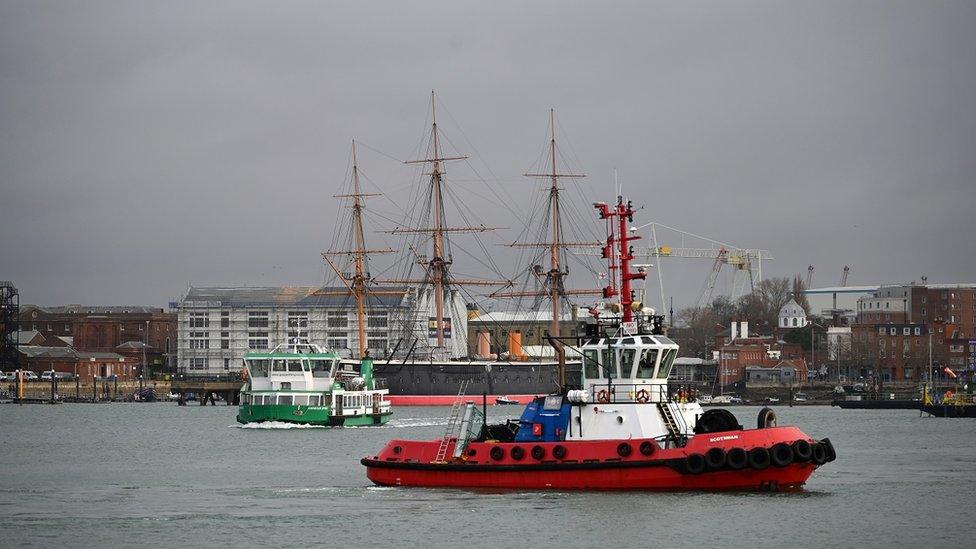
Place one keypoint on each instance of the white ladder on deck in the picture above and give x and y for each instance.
(452, 422)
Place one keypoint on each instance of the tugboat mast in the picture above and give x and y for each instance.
(618, 249)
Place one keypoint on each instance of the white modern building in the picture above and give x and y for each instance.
(218, 326)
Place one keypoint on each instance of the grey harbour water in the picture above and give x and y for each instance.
(84, 475)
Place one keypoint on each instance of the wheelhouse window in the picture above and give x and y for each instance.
(294, 365)
(591, 364)
(666, 361)
(258, 368)
(627, 362)
(645, 369)
(321, 367)
(609, 369)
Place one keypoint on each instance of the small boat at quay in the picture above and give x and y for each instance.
(304, 384)
(616, 427)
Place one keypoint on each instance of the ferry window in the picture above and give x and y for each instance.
(666, 362)
(591, 366)
(301, 400)
(313, 400)
(258, 368)
(294, 365)
(278, 366)
(285, 399)
(645, 369)
(286, 385)
(321, 368)
(627, 362)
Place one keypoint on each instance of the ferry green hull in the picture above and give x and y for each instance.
(306, 415)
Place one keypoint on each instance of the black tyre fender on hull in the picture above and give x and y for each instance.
(759, 458)
(781, 454)
(802, 451)
(716, 458)
(737, 458)
(819, 454)
(695, 464)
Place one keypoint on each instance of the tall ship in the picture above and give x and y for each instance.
(429, 362)
(614, 426)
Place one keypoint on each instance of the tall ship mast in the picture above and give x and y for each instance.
(357, 284)
(553, 286)
(437, 268)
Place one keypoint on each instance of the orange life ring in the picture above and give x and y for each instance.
(643, 396)
(603, 396)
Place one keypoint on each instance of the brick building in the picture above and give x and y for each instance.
(737, 349)
(891, 336)
(119, 330)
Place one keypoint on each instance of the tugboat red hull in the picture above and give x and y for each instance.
(638, 464)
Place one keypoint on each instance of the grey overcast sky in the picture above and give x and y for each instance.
(145, 146)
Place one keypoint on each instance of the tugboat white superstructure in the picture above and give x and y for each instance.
(616, 428)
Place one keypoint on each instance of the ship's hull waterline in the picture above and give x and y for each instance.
(307, 415)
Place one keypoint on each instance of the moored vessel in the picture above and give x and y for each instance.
(615, 427)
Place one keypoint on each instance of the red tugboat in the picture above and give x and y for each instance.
(616, 428)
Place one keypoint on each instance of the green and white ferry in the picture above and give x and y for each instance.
(306, 384)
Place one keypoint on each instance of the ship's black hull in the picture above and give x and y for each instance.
(949, 410)
(878, 404)
(493, 378)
